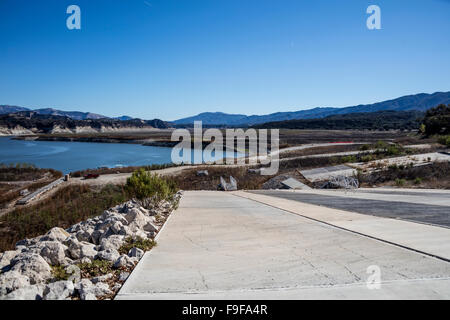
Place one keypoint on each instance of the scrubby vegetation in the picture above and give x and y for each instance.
(150, 189)
(25, 172)
(435, 175)
(189, 180)
(68, 206)
(100, 171)
(437, 120)
(143, 244)
(381, 120)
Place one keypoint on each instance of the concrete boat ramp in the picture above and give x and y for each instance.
(261, 245)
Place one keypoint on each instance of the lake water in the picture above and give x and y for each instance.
(73, 156)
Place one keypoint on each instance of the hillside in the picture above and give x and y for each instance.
(381, 120)
(29, 122)
(76, 115)
(419, 102)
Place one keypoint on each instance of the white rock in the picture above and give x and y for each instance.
(88, 290)
(87, 250)
(79, 250)
(112, 242)
(53, 252)
(103, 278)
(86, 260)
(109, 255)
(56, 234)
(12, 280)
(125, 231)
(34, 292)
(124, 276)
(33, 266)
(136, 252)
(123, 261)
(95, 237)
(151, 227)
(116, 227)
(89, 296)
(136, 219)
(6, 257)
(59, 290)
(85, 234)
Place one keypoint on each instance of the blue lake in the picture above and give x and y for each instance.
(73, 156)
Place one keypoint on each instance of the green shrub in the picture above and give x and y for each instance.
(400, 182)
(59, 273)
(143, 244)
(95, 268)
(417, 180)
(444, 140)
(364, 147)
(150, 189)
(393, 150)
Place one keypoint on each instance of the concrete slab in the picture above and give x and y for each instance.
(432, 208)
(429, 239)
(220, 246)
(292, 183)
(327, 173)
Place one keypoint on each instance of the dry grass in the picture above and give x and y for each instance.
(432, 176)
(188, 179)
(66, 207)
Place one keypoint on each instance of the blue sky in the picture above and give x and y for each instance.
(172, 58)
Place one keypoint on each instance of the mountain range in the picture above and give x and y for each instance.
(417, 102)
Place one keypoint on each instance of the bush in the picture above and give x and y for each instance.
(437, 120)
(400, 182)
(417, 180)
(143, 244)
(95, 268)
(444, 140)
(150, 189)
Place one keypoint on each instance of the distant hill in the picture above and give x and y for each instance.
(30, 122)
(76, 115)
(419, 102)
(11, 109)
(380, 120)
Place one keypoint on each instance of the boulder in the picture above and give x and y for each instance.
(136, 252)
(12, 280)
(33, 266)
(124, 276)
(109, 255)
(59, 290)
(85, 234)
(89, 291)
(124, 261)
(103, 278)
(87, 250)
(6, 257)
(55, 234)
(95, 237)
(83, 249)
(136, 219)
(151, 227)
(34, 292)
(53, 252)
(112, 242)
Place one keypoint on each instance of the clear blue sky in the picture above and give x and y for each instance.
(173, 58)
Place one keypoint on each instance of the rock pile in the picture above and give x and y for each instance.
(28, 271)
